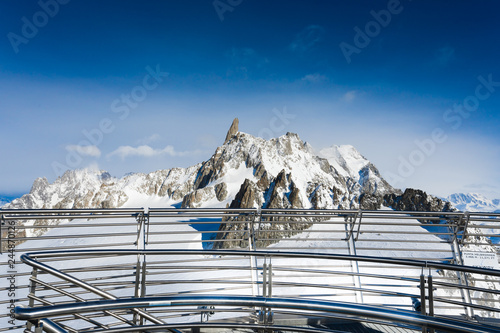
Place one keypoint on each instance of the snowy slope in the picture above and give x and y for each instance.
(383, 240)
(345, 159)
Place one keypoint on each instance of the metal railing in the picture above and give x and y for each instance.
(311, 255)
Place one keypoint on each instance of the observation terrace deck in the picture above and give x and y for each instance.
(248, 270)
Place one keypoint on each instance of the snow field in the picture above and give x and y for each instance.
(215, 275)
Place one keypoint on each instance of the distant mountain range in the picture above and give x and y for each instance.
(474, 202)
(244, 172)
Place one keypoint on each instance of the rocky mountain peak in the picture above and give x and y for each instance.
(39, 185)
(245, 172)
(283, 172)
(232, 130)
(417, 200)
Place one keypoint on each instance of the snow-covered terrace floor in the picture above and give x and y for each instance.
(430, 238)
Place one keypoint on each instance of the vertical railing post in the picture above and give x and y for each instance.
(31, 295)
(145, 238)
(423, 303)
(465, 227)
(426, 299)
(264, 279)
(351, 246)
(457, 256)
(253, 260)
(269, 314)
(39, 327)
(140, 270)
(430, 295)
(2, 223)
(262, 312)
(266, 316)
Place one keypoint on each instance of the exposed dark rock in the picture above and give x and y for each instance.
(294, 197)
(231, 235)
(232, 130)
(260, 171)
(324, 165)
(276, 199)
(370, 202)
(181, 191)
(108, 202)
(204, 175)
(263, 183)
(315, 196)
(195, 198)
(221, 191)
(247, 197)
(337, 196)
(417, 201)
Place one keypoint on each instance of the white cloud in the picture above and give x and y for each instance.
(349, 96)
(85, 150)
(147, 151)
(314, 78)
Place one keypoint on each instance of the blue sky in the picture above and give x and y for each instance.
(136, 86)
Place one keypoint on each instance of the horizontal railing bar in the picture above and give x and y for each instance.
(86, 246)
(406, 232)
(472, 305)
(90, 224)
(362, 248)
(355, 211)
(70, 211)
(26, 258)
(204, 210)
(176, 212)
(117, 234)
(66, 217)
(286, 303)
(76, 315)
(211, 325)
(485, 235)
(472, 288)
(401, 241)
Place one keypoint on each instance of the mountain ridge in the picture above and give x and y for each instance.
(244, 172)
(474, 202)
(339, 172)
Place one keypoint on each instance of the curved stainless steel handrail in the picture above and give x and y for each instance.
(28, 258)
(161, 328)
(281, 303)
(453, 220)
(401, 316)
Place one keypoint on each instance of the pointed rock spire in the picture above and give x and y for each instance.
(232, 130)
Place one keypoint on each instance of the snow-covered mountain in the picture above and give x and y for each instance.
(245, 172)
(474, 202)
(285, 172)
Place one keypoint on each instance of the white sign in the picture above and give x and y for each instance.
(481, 259)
